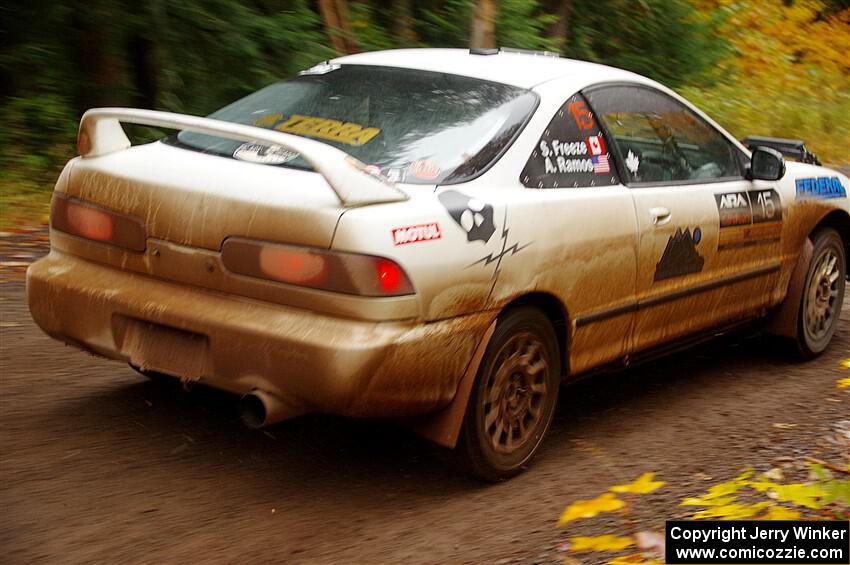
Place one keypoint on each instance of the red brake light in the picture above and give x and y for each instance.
(349, 273)
(389, 275)
(83, 219)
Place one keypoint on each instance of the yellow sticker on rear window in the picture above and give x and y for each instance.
(321, 128)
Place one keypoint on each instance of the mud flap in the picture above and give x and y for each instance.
(783, 322)
(443, 427)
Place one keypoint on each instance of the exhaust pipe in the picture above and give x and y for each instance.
(259, 409)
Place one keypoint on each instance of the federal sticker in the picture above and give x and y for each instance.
(414, 234)
(264, 154)
(821, 187)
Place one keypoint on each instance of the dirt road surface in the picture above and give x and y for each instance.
(100, 465)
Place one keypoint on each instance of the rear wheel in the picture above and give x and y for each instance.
(823, 294)
(513, 397)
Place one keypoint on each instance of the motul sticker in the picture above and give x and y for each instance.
(413, 234)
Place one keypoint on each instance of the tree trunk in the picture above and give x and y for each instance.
(483, 24)
(335, 17)
(559, 29)
(403, 22)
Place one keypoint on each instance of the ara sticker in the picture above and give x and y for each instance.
(474, 216)
(821, 187)
(414, 234)
(423, 169)
(748, 218)
(265, 154)
(680, 257)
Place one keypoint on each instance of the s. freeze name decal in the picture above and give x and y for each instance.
(821, 187)
(748, 217)
(413, 234)
(571, 153)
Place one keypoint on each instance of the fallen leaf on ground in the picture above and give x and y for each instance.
(774, 474)
(783, 426)
(590, 508)
(633, 559)
(842, 383)
(845, 363)
(641, 485)
(780, 513)
(607, 542)
(732, 511)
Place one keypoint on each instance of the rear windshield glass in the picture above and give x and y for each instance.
(410, 126)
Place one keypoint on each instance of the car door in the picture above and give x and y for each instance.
(569, 229)
(709, 241)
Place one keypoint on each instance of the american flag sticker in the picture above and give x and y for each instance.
(600, 164)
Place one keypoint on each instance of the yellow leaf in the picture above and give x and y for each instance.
(845, 363)
(842, 383)
(799, 494)
(732, 511)
(633, 559)
(783, 426)
(780, 513)
(641, 485)
(704, 501)
(590, 508)
(607, 542)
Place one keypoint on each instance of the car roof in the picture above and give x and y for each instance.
(525, 70)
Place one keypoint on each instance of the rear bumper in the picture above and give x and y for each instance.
(310, 361)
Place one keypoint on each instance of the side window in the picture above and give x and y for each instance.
(572, 151)
(658, 139)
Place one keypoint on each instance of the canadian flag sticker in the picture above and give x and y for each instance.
(595, 146)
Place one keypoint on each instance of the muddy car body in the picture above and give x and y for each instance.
(449, 269)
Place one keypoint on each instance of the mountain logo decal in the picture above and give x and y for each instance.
(680, 256)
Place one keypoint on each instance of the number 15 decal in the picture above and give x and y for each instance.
(766, 206)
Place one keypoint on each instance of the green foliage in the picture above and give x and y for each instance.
(666, 40)
(736, 59)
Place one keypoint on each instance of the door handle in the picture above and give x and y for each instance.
(660, 215)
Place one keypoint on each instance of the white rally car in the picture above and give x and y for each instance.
(437, 236)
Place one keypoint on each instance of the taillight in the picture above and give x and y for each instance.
(80, 218)
(349, 273)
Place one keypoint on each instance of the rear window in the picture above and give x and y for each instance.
(411, 126)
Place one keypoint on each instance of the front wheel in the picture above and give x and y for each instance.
(823, 294)
(513, 397)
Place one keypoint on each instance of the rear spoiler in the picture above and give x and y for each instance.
(793, 148)
(101, 133)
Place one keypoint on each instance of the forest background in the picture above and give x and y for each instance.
(767, 67)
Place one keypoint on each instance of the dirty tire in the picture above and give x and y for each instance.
(513, 397)
(823, 294)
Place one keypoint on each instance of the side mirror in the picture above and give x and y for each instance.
(766, 164)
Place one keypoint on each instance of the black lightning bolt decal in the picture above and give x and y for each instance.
(512, 250)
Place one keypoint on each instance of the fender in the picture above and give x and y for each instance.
(443, 427)
(783, 322)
